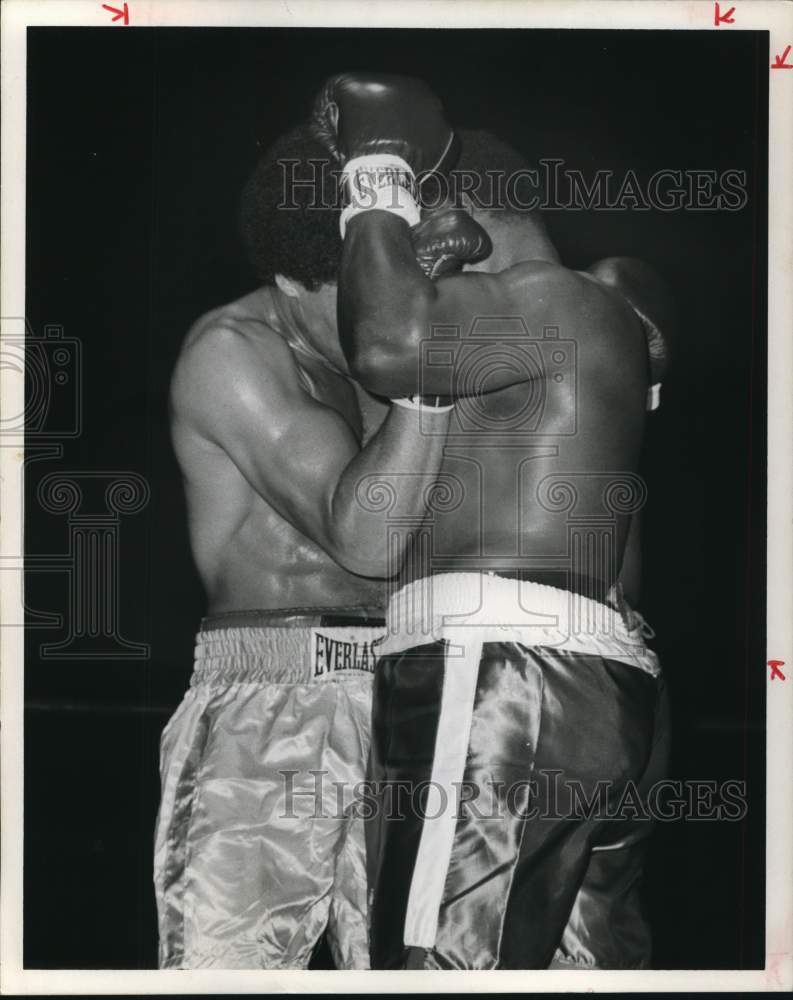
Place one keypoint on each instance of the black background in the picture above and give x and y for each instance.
(138, 144)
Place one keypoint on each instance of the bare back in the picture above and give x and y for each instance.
(248, 553)
(543, 471)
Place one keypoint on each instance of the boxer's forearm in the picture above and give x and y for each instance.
(389, 309)
(384, 300)
(391, 477)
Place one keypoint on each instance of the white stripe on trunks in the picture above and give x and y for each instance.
(460, 674)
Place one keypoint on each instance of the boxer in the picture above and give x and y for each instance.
(510, 656)
(254, 855)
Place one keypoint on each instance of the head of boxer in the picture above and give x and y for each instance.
(289, 221)
(496, 184)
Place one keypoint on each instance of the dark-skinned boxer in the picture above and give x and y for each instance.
(255, 853)
(510, 655)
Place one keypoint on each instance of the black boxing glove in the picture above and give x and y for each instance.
(445, 240)
(651, 300)
(384, 130)
(362, 114)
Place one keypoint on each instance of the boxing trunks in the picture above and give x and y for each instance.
(515, 728)
(256, 849)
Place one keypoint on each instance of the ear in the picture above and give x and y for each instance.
(287, 286)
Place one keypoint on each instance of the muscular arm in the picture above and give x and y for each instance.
(243, 394)
(388, 307)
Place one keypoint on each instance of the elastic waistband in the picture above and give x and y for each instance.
(294, 618)
(286, 655)
(586, 586)
(491, 608)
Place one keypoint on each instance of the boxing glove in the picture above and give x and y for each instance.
(651, 300)
(358, 114)
(443, 241)
(388, 133)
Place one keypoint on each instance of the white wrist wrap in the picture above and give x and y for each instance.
(415, 403)
(381, 181)
(654, 396)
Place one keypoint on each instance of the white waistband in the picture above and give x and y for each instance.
(489, 608)
(271, 655)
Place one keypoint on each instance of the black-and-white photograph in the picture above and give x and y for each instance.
(394, 482)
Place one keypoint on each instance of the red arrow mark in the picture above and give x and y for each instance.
(775, 671)
(124, 12)
(720, 18)
(779, 61)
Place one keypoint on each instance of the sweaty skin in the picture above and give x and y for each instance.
(585, 413)
(273, 439)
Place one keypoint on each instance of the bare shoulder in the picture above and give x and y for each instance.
(575, 299)
(224, 355)
(542, 276)
(611, 342)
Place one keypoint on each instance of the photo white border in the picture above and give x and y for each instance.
(775, 17)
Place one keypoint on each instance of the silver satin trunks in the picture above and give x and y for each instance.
(255, 852)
